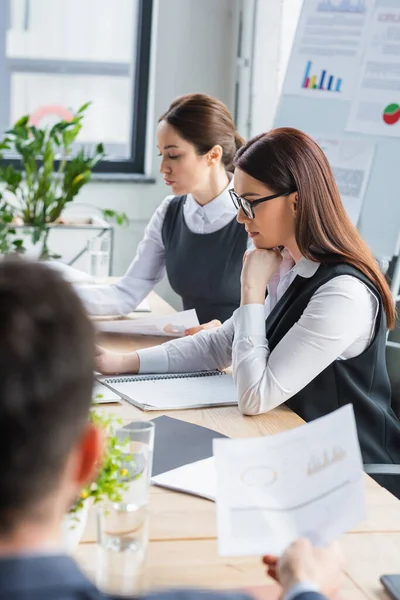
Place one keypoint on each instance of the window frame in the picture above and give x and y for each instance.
(135, 164)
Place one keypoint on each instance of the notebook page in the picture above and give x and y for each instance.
(198, 479)
(186, 392)
(103, 395)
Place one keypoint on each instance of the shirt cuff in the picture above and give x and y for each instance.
(153, 360)
(300, 588)
(249, 320)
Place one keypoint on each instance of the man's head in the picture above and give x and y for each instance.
(47, 448)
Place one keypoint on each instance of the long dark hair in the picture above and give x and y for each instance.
(205, 122)
(285, 159)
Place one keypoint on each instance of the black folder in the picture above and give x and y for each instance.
(178, 443)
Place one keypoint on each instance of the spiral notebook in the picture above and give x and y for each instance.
(174, 391)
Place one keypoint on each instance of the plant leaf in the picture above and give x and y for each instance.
(83, 108)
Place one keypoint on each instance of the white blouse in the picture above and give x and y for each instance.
(148, 266)
(338, 323)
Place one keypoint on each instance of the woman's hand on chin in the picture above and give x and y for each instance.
(258, 268)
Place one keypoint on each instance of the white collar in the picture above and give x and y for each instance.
(304, 267)
(212, 211)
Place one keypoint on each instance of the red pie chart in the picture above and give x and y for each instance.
(391, 114)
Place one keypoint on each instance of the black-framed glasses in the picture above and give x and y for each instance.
(247, 206)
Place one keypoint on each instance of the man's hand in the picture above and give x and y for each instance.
(301, 562)
(210, 325)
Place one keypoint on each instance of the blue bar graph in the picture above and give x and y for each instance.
(317, 82)
(306, 79)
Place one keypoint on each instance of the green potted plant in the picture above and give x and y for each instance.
(51, 176)
(110, 484)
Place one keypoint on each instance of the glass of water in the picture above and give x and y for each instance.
(98, 249)
(122, 527)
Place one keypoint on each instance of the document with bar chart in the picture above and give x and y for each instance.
(306, 482)
(351, 161)
(327, 49)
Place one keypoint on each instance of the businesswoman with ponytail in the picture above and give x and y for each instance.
(193, 236)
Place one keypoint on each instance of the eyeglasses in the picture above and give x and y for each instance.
(247, 206)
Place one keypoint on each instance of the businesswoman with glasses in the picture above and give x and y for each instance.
(193, 236)
(317, 341)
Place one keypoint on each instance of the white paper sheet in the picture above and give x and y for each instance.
(197, 479)
(144, 306)
(174, 391)
(303, 482)
(73, 275)
(376, 103)
(327, 49)
(172, 325)
(351, 161)
(103, 394)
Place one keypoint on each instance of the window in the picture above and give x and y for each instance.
(57, 55)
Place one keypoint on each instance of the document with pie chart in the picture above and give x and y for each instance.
(306, 482)
(375, 108)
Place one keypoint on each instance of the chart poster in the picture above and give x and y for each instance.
(376, 104)
(351, 162)
(327, 49)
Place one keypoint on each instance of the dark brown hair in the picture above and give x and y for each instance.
(46, 365)
(287, 159)
(205, 122)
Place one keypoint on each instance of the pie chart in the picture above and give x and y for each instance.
(259, 476)
(391, 114)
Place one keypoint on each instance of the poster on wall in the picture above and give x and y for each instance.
(327, 49)
(375, 108)
(351, 162)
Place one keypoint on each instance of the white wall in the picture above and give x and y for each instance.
(195, 52)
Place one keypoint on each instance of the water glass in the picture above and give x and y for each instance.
(98, 249)
(122, 527)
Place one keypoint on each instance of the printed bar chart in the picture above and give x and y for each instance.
(349, 6)
(315, 82)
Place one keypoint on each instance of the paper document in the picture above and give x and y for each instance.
(375, 107)
(351, 162)
(103, 394)
(327, 49)
(172, 325)
(73, 275)
(144, 306)
(197, 479)
(306, 482)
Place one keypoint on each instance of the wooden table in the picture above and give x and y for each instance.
(183, 547)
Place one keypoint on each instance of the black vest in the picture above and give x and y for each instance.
(362, 381)
(204, 269)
